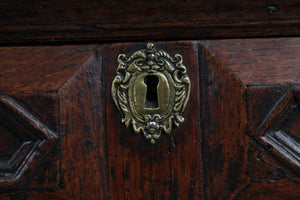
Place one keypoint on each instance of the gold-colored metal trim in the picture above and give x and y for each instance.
(129, 91)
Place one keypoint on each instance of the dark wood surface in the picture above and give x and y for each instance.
(274, 190)
(268, 70)
(82, 125)
(39, 69)
(224, 127)
(35, 141)
(25, 22)
(223, 150)
(259, 61)
(263, 166)
(170, 169)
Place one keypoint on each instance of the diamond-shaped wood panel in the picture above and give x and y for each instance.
(269, 70)
(279, 133)
(24, 143)
(241, 92)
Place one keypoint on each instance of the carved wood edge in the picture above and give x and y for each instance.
(37, 138)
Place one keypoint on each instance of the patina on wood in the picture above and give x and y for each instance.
(25, 22)
(219, 152)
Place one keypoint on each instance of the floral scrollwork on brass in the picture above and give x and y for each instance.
(151, 90)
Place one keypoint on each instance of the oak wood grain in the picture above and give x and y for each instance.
(73, 21)
(82, 127)
(169, 169)
(275, 190)
(214, 154)
(36, 143)
(261, 101)
(39, 69)
(259, 61)
(263, 165)
(48, 174)
(43, 106)
(224, 127)
(273, 116)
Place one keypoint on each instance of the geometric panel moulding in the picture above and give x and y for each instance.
(24, 141)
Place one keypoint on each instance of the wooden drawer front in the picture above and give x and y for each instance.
(62, 136)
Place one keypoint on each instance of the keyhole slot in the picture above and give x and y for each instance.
(151, 82)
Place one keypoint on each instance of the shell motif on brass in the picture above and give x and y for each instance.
(151, 90)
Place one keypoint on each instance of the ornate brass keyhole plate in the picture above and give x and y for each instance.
(151, 90)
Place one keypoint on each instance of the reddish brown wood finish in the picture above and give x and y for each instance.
(36, 195)
(39, 69)
(32, 76)
(48, 174)
(47, 114)
(224, 127)
(170, 169)
(261, 99)
(55, 21)
(273, 190)
(274, 132)
(269, 70)
(35, 142)
(263, 166)
(84, 156)
(259, 61)
(219, 152)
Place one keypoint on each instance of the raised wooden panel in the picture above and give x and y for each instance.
(47, 175)
(267, 71)
(279, 129)
(39, 69)
(82, 124)
(224, 126)
(35, 103)
(240, 138)
(31, 77)
(264, 166)
(261, 100)
(259, 61)
(31, 142)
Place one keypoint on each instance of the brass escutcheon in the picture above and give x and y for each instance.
(151, 90)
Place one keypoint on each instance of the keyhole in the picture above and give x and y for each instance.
(151, 97)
